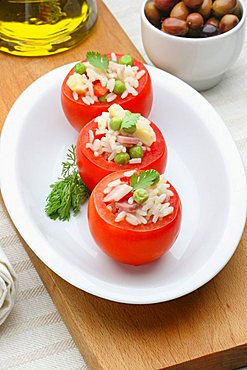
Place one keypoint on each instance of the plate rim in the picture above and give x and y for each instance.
(218, 130)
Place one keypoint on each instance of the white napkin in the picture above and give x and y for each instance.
(8, 286)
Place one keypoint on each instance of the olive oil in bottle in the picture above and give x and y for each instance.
(44, 27)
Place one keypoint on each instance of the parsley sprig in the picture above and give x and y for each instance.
(96, 60)
(68, 193)
(144, 179)
(129, 121)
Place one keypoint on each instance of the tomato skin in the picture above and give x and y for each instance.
(78, 113)
(92, 169)
(134, 245)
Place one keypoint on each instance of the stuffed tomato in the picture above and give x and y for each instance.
(134, 216)
(94, 84)
(118, 140)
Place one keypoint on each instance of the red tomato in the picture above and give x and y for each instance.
(78, 113)
(92, 169)
(127, 243)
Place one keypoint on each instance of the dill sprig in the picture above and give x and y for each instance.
(68, 192)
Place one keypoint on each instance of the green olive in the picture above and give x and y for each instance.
(122, 158)
(153, 14)
(205, 8)
(127, 60)
(136, 151)
(222, 7)
(174, 26)
(180, 11)
(140, 196)
(195, 21)
(115, 123)
(119, 87)
(80, 68)
(228, 22)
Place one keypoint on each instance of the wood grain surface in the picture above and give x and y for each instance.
(206, 329)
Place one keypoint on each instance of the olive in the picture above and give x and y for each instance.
(228, 22)
(222, 7)
(174, 26)
(195, 21)
(205, 8)
(214, 21)
(165, 5)
(193, 34)
(153, 14)
(209, 30)
(192, 4)
(180, 11)
(237, 11)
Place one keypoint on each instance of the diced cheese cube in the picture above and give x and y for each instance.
(76, 83)
(144, 120)
(103, 121)
(144, 132)
(116, 110)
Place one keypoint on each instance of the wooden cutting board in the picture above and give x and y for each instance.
(206, 329)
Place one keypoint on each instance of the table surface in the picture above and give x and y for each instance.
(35, 336)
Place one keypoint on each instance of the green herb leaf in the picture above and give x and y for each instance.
(144, 180)
(68, 193)
(129, 122)
(70, 165)
(79, 195)
(96, 60)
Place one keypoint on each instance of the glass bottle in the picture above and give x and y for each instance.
(44, 27)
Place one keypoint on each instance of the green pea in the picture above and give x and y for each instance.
(115, 123)
(127, 60)
(102, 98)
(131, 129)
(136, 152)
(119, 87)
(122, 158)
(80, 68)
(140, 196)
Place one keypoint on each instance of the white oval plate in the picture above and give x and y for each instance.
(204, 166)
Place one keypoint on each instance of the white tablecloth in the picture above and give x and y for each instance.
(34, 336)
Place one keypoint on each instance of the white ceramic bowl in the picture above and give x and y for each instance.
(200, 62)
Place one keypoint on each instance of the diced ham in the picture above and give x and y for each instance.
(126, 207)
(113, 207)
(127, 140)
